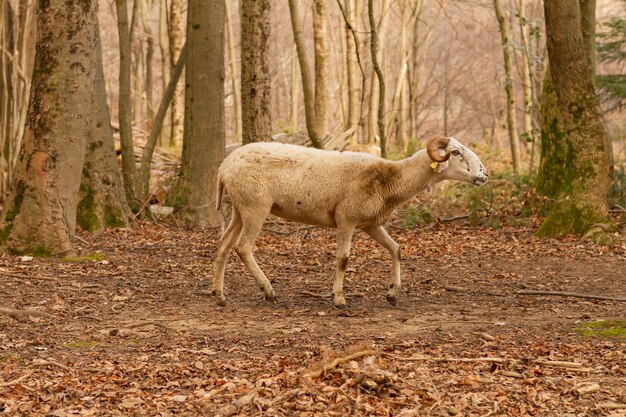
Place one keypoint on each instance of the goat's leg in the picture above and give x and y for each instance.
(344, 239)
(227, 241)
(380, 235)
(252, 224)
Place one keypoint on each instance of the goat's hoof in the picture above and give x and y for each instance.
(270, 297)
(341, 306)
(392, 300)
(222, 302)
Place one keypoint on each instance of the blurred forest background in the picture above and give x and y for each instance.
(474, 69)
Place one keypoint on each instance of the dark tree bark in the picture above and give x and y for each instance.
(255, 75)
(40, 216)
(102, 201)
(204, 139)
(584, 179)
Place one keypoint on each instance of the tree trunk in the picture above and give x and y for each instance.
(320, 41)
(307, 83)
(529, 131)
(583, 180)
(381, 81)
(125, 107)
(177, 37)
(255, 75)
(204, 141)
(354, 83)
(508, 85)
(294, 102)
(234, 73)
(374, 98)
(146, 11)
(40, 215)
(164, 46)
(102, 202)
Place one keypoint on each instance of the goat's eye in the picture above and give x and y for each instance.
(456, 153)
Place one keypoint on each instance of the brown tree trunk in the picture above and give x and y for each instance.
(294, 102)
(374, 46)
(41, 215)
(203, 145)
(164, 46)
(374, 98)
(177, 39)
(320, 41)
(234, 73)
(255, 76)
(102, 202)
(529, 131)
(584, 179)
(307, 83)
(125, 106)
(508, 85)
(354, 79)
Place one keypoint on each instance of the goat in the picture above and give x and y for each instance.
(342, 190)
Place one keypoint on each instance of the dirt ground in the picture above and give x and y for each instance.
(135, 332)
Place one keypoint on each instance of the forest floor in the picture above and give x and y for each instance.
(134, 331)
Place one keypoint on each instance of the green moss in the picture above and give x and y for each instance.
(568, 218)
(5, 232)
(83, 344)
(113, 216)
(603, 328)
(95, 256)
(85, 213)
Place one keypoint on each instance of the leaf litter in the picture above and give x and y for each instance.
(137, 334)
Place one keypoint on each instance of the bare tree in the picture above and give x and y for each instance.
(320, 41)
(40, 216)
(177, 37)
(381, 81)
(505, 36)
(255, 75)
(203, 144)
(234, 73)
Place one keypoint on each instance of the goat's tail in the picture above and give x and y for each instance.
(218, 194)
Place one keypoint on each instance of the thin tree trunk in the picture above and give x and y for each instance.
(381, 81)
(293, 112)
(307, 84)
(586, 174)
(354, 84)
(529, 131)
(164, 45)
(125, 106)
(146, 10)
(40, 216)
(320, 41)
(203, 145)
(177, 36)
(508, 86)
(234, 73)
(255, 75)
(102, 202)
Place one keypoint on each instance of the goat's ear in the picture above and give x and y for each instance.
(442, 166)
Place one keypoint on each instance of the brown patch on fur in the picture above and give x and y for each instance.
(343, 264)
(380, 176)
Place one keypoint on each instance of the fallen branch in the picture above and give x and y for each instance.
(15, 381)
(612, 406)
(327, 366)
(330, 295)
(20, 276)
(570, 294)
(453, 218)
(16, 314)
(43, 362)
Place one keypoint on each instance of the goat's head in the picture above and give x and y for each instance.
(455, 161)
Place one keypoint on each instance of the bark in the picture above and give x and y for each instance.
(102, 202)
(294, 103)
(7, 54)
(320, 41)
(354, 83)
(583, 180)
(164, 137)
(508, 85)
(375, 95)
(148, 35)
(255, 74)
(125, 107)
(177, 36)
(305, 72)
(234, 73)
(204, 141)
(381, 81)
(529, 131)
(40, 216)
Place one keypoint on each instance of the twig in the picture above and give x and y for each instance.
(16, 381)
(43, 362)
(24, 313)
(329, 295)
(570, 294)
(8, 274)
(453, 218)
(338, 361)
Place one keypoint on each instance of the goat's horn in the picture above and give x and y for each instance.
(436, 144)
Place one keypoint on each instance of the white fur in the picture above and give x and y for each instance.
(343, 190)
